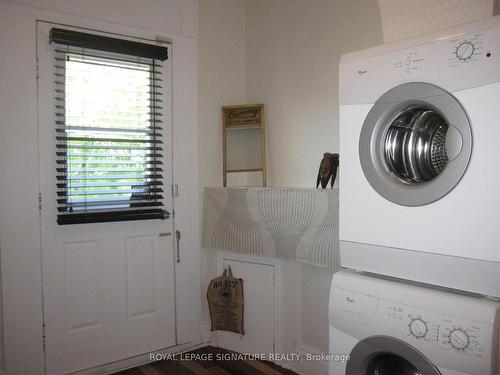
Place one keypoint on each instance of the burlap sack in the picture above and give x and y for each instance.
(225, 302)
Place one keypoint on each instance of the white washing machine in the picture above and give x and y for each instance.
(395, 328)
(420, 154)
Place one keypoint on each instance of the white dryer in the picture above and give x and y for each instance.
(395, 328)
(420, 154)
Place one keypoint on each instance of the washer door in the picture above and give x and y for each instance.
(415, 144)
(384, 355)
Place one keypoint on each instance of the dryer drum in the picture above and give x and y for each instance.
(414, 147)
(415, 144)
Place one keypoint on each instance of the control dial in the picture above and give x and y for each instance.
(459, 339)
(465, 50)
(418, 328)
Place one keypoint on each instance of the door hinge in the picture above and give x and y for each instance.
(44, 336)
(40, 201)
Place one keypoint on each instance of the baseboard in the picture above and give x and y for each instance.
(135, 361)
(302, 367)
(205, 331)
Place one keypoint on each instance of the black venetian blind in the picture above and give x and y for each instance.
(109, 141)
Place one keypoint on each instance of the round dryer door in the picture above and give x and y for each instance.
(415, 144)
(384, 355)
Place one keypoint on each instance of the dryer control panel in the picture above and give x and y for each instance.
(467, 49)
(456, 60)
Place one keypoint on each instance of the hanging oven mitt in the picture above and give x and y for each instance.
(225, 302)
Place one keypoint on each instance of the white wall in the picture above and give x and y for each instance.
(293, 52)
(19, 222)
(19, 215)
(221, 77)
(285, 54)
(221, 81)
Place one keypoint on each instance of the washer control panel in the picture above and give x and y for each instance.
(430, 328)
(462, 338)
(454, 331)
(458, 338)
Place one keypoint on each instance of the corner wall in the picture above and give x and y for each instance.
(292, 58)
(221, 81)
(285, 54)
(293, 51)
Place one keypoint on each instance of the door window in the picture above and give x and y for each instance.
(109, 139)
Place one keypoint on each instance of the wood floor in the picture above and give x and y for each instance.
(213, 367)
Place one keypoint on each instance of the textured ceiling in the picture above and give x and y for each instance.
(402, 19)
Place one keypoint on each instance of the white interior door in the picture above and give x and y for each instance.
(108, 287)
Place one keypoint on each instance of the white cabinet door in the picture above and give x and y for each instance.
(109, 287)
(259, 310)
